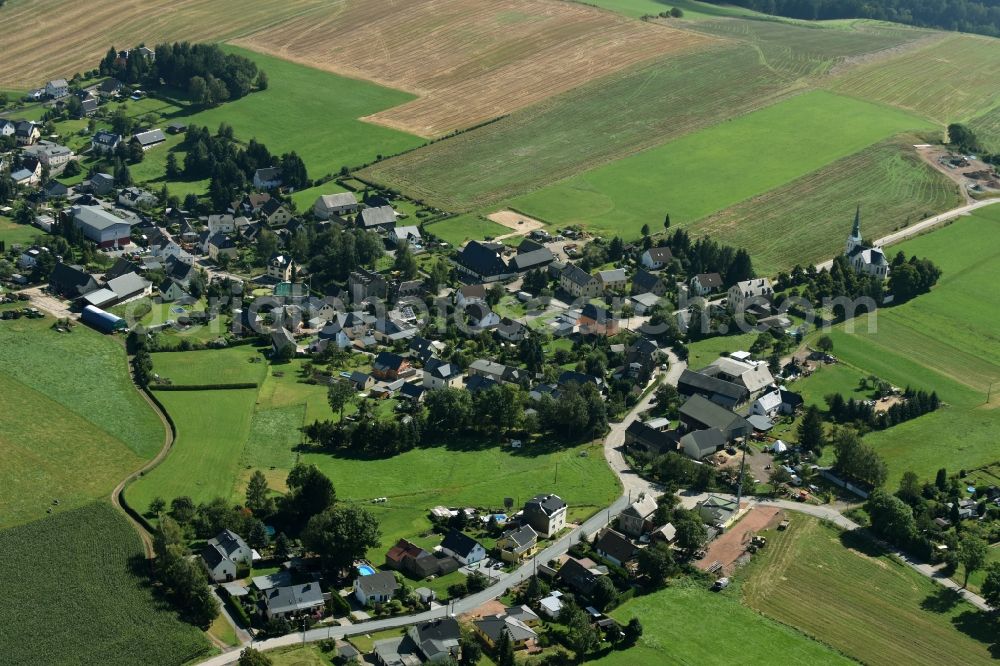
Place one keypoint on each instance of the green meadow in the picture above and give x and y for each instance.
(945, 341)
(687, 624)
(693, 10)
(13, 233)
(456, 230)
(851, 596)
(703, 172)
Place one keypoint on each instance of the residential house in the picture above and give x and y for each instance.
(282, 339)
(375, 588)
(546, 514)
(580, 378)
(472, 293)
(57, 88)
(704, 284)
(666, 534)
(580, 575)
(517, 544)
(511, 330)
(101, 226)
(637, 518)
(422, 348)
(281, 267)
(865, 259)
(101, 184)
(329, 205)
(476, 383)
(725, 393)
(105, 142)
(275, 212)
(149, 139)
(432, 642)
(697, 413)
(171, 290)
(224, 554)
(643, 304)
(108, 87)
(656, 258)
(615, 547)
(597, 320)
(439, 374)
(578, 282)
(408, 234)
(483, 262)
(389, 366)
(27, 132)
(645, 282)
(412, 392)
(463, 548)
(267, 178)
(717, 511)
(496, 371)
(480, 318)
(293, 600)
(71, 281)
(778, 401)
(749, 292)
(221, 224)
(135, 197)
(54, 190)
(27, 177)
(491, 628)
(698, 444)
(612, 280)
(417, 562)
(7, 127)
(88, 107)
(363, 284)
(551, 605)
(180, 270)
(380, 218)
(129, 286)
(220, 245)
(754, 376)
(50, 154)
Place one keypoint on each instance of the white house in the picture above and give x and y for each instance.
(743, 293)
(292, 600)
(375, 588)
(407, 234)
(267, 178)
(656, 258)
(439, 374)
(51, 154)
(105, 142)
(463, 548)
(7, 127)
(546, 514)
(704, 284)
(224, 553)
(57, 88)
(328, 205)
(221, 224)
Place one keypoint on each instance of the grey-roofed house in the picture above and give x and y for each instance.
(643, 281)
(517, 544)
(656, 258)
(650, 440)
(71, 281)
(700, 443)
(526, 261)
(462, 547)
(293, 600)
(375, 588)
(149, 139)
(129, 286)
(224, 554)
(105, 142)
(613, 279)
(644, 303)
(429, 642)
(546, 514)
(328, 205)
(492, 627)
(511, 330)
(441, 374)
(267, 178)
(704, 284)
(381, 218)
(483, 262)
(614, 547)
(579, 282)
(718, 390)
(697, 413)
(752, 375)
(637, 518)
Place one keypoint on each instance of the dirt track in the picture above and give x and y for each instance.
(731, 545)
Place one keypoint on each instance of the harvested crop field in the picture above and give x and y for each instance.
(55, 38)
(468, 60)
(951, 80)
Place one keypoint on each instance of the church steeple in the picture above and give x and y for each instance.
(855, 240)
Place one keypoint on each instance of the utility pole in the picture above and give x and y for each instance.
(739, 483)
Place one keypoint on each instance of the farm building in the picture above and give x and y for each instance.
(328, 205)
(105, 322)
(102, 227)
(150, 139)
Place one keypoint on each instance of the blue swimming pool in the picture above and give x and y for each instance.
(365, 570)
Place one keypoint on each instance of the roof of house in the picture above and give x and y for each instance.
(96, 217)
(459, 543)
(404, 549)
(614, 275)
(642, 508)
(580, 378)
(436, 637)
(547, 504)
(790, 398)
(577, 275)
(660, 254)
(709, 280)
(769, 401)
(525, 261)
(615, 545)
(376, 217)
(281, 338)
(407, 232)
(73, 280)
(128, 284)
(703, 442)
(754, 376)
(473, 291)
(213, 555)
(524, 537)
(441, 369)
(381, 583)
(691, 382)
(338, 200)
(388, 361)
(267, 174)
(647, 300)
(576, 575)
(294, 597)
(510, 327)
(645, 281)
(709, 414)
(495, 626)
(483, 260)
(596, 313)
(150, 137)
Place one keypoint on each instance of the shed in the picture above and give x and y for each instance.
(105, 322)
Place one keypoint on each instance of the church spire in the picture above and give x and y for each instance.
(856, 232)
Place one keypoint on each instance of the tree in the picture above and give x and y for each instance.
(505, 651)
(339, 395)
(690, 533)
(910, 488)
(941, 480)
(341, 535)
(71, 169)
(633, 632)
(261, 80)
(583, 637)
(656, 563)
(157, 506)
(990, 589)
(676, 12)
(258, 499)
(858, 460)
(182, 509)
(251, 657)
(282, 547)
(645, 230)
(963, 138)
(666, 222)
(404, 262)
(310, 492)
(810, 430)
(825, 344)
(471, 649)
(891, 518)
(972, 553)
(173, 169)
(604, 593)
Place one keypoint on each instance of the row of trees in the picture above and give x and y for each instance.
(861, 413)
(979, 16)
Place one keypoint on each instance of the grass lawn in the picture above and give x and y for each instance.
(13, 233)
(217, 366)
(946, 341)
(71, 428)
(677, 629)
(703, 172)
(978, 576)
(307, 655)
(868, 605)
(314, 113)
(703, 352)
(224, 632)
(97, 609)
(457, 230)
(212, 429)
(304, 199)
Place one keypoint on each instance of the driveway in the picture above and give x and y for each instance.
(50, 304)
